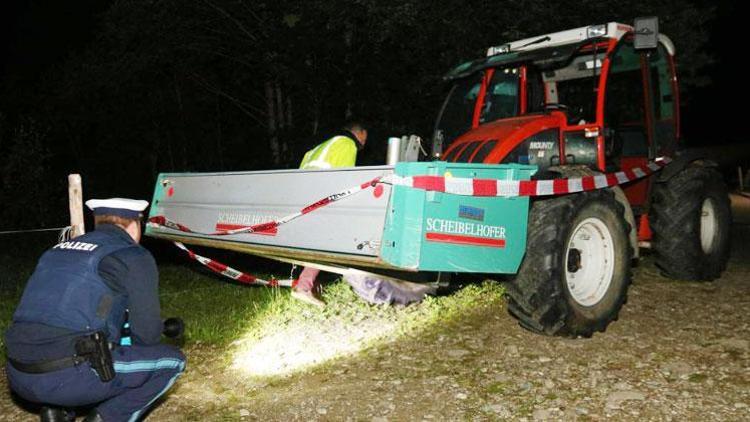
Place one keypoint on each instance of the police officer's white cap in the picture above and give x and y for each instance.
(122, 207)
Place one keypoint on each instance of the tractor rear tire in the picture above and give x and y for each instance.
(576, 272)
(690, 218)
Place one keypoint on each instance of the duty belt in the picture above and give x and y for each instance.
(47, 365)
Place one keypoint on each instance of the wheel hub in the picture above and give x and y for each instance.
(590, 261)
(709, 226)
(574, 260)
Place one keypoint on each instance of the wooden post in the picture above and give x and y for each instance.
(75, 199)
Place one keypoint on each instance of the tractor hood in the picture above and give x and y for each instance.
(502, 137)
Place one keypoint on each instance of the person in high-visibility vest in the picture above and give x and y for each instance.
(337, 151)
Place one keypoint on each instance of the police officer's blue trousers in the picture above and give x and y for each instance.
(143, 374)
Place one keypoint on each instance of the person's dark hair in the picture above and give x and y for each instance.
(113, 219)
(352, 125)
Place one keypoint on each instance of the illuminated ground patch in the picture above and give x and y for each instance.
(301, 344)
(293, 336)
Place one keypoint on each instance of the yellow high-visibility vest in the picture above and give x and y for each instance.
(339, 151)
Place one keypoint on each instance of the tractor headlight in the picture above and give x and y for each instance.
(502, 49)
(595, 31)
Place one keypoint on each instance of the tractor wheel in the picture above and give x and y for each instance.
(576, 272)
(690, 218)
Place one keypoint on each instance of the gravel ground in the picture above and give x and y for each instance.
(680, 351)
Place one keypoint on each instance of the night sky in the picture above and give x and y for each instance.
(717, 103)
(36, 35)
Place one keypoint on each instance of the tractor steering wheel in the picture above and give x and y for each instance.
(556, 106)
(572, 115)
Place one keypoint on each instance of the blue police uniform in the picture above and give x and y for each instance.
(80, 287)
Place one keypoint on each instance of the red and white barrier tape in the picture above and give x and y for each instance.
(162, 221)
(509, 188)
(232, 273)
(227, 271)
(451, 185)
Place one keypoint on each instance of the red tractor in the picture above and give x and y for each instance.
(595, 99)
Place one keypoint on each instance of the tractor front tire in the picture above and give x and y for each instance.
(690, 218)
(575, 275)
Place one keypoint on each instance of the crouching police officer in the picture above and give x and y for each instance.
(64, 342)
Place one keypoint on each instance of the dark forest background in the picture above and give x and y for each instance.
(122, 90)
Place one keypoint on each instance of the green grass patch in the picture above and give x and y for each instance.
(498, 388)
(697, 377)
(344, 306)
(13, 276)
(215, 312)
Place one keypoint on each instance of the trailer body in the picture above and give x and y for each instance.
(397, 228)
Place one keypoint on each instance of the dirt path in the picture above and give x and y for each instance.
(680, 351)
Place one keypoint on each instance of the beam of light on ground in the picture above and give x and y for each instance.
(304, 344)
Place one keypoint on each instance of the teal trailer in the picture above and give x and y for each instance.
(380, 227)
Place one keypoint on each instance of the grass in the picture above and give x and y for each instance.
(7, 305)
(697, 377)
(13, 275)
(498, 388)
(215, 312)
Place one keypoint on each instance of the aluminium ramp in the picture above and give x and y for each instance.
(346, 232)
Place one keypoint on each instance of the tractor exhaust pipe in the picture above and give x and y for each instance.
(394, 151)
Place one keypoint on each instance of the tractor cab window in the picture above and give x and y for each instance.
(501, 98)
(573, 88)
(624, 106)
(458, 110)
(663, 99)
(629, 107)
(500, 102)
(534, 90)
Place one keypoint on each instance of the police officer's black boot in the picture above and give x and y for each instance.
(93, 416)
(56, 414)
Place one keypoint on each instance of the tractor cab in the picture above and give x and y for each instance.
(584, 96)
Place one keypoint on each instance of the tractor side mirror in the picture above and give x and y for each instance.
(646, 33)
